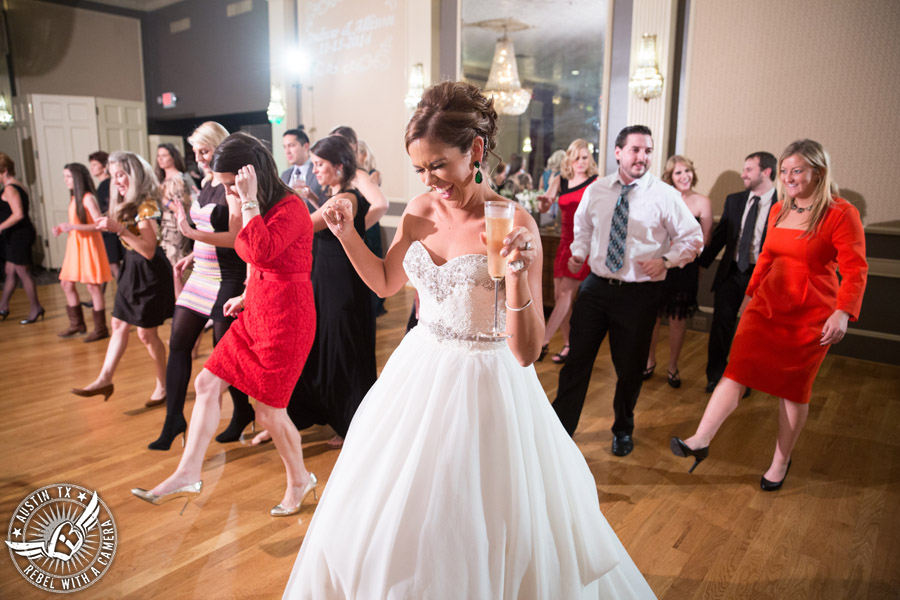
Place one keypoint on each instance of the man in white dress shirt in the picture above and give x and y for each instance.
(299, 174)
(634, 227)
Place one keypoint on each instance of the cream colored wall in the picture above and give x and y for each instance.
(70, 51)
(762, 74)
(657, 17)
(362, 52)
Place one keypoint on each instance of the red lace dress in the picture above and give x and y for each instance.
(794, 289)
(264, 350)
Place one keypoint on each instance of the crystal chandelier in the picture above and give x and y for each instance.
(503, 84)
(646, 82)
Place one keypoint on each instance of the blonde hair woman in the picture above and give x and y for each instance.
(678, 301)
(217, 274)
(795, 305)
(145, 296)
(577, 171)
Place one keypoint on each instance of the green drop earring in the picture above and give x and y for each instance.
(477, 172)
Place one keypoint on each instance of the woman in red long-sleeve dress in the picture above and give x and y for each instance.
(795, 305)
(263, 352)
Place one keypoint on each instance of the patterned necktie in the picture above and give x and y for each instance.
(615, 252)
(747, 235)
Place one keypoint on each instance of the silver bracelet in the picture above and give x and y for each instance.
(508, 307)
(249, 205)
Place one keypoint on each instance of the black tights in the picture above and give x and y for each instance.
(186, 328)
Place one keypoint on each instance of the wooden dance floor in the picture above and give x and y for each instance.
(833, 531)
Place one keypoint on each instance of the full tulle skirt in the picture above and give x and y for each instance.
(456, 480)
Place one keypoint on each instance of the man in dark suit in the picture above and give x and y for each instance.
(299, 174)
(741, 231)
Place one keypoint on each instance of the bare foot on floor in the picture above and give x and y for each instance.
(336, 442)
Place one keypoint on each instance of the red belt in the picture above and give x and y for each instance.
(274, 276)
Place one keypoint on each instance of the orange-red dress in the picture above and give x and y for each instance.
(85, 259)
(264, 350)
(794, 289)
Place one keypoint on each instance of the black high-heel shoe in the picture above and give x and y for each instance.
(239, 422)
(681, 449)
(560, 358)
(772, 486)
(174, 425)
(544, 350)
(3, 314)
(674, 379)
(39, 315)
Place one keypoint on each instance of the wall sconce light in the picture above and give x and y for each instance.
(6, 118)
(275, 111)
(646, 82)
(416, 86)
(526, 145)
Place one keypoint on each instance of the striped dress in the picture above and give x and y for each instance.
(218, 272)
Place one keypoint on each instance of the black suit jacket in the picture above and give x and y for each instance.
(727, 234)
(311, 181)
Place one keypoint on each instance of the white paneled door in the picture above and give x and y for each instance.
(65, 131)
(123, 126)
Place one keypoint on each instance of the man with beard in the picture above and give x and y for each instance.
(634, 227)
(741, 231)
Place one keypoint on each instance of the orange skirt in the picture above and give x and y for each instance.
(85, 260)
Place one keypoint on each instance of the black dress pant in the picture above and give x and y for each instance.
(627, 312)
(727, 301)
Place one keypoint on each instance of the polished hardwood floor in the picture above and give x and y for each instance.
(833, 531)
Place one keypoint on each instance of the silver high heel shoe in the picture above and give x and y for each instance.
(189, 492)
(281, 511)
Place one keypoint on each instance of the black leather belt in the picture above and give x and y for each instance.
(616, 282)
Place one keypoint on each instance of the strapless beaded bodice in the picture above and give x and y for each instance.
(456, 299)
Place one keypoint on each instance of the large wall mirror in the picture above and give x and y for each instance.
(558, 52)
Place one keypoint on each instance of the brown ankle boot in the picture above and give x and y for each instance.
(76, 322)
(100, 331)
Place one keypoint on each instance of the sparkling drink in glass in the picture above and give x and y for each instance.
(498, 222)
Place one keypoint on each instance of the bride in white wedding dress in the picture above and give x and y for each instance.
(456, 479)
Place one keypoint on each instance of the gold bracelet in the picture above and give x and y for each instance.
(508, 307)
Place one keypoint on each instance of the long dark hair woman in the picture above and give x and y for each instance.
(176, 186)
(85, 260)
(17, 235)
(264, 350)
(145, 295)
(341, 365)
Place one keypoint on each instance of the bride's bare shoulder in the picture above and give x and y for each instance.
(421, 205)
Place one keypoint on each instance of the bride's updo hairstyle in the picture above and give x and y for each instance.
(453, 113)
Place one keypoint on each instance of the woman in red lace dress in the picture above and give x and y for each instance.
(264, 351)
(795, 305)
(577, 172)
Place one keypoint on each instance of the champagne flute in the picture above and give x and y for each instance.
(498, 223)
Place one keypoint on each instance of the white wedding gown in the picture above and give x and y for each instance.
(457, 480)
